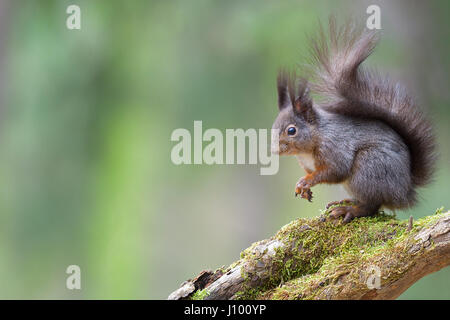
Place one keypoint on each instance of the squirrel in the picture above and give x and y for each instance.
(366, 134)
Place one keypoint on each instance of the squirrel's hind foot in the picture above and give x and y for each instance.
(347, 212)
(351, 212)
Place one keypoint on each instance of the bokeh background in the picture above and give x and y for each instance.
(86, 118)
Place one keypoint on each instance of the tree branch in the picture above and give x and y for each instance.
(370, 258)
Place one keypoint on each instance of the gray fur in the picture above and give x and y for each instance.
(367, 134)
(370, 159)
(355, 91)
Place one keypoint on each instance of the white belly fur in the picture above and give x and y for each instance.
(306, 160)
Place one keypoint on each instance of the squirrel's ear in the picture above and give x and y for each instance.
(302, 105)
(283, 91)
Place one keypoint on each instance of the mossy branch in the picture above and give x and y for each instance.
(375, 257)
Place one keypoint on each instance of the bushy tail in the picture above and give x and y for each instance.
(355, 91)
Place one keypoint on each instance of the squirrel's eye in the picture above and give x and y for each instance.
(291, 131)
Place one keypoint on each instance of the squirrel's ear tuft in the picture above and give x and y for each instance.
(283, 86)
(302, 104)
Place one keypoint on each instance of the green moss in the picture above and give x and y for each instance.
(319, 249)
(200, 294)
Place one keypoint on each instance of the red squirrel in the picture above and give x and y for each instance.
(367, 133)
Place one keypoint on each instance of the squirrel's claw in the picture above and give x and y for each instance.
(347, 212)
(307, 194)
(303, 189)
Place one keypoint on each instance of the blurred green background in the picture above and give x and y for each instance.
(86, 118)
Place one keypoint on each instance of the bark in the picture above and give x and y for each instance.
(370, 258)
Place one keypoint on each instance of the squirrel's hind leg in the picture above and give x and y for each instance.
(354, 211)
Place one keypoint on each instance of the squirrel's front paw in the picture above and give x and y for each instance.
(303, 188)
